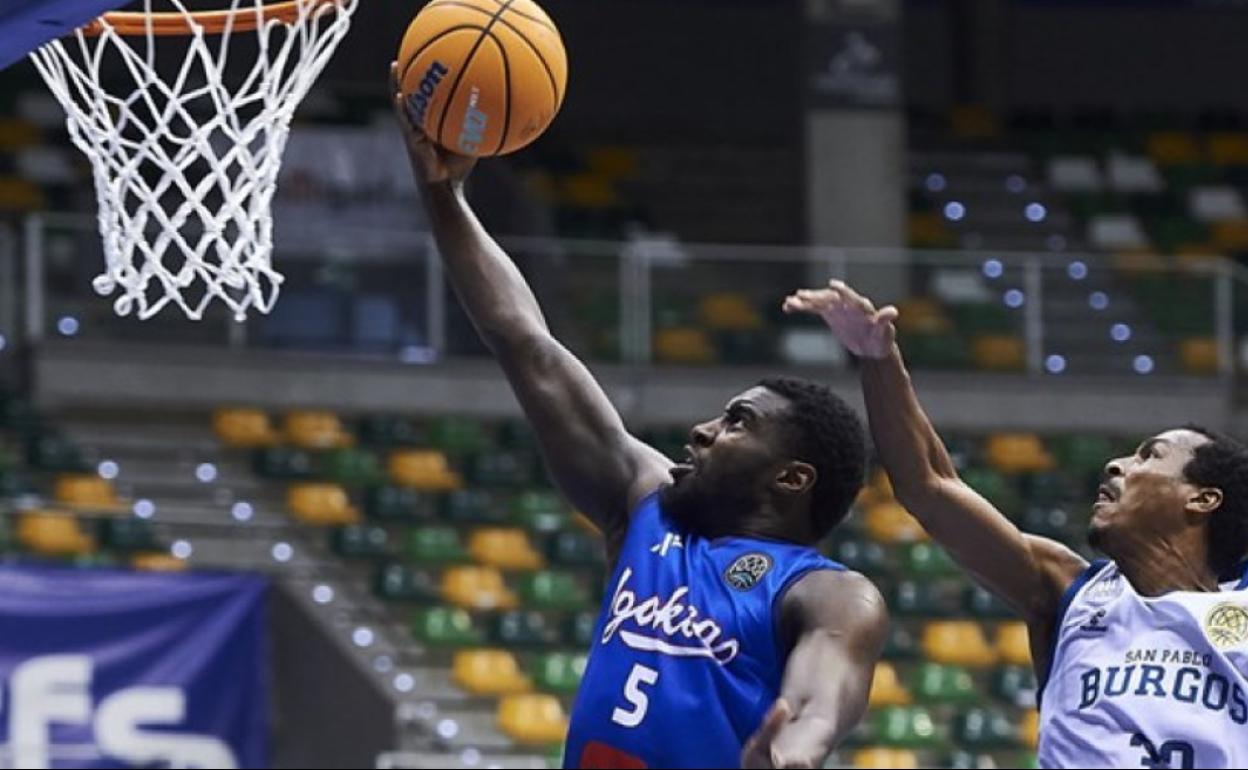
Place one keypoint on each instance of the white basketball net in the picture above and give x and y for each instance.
(186, 158)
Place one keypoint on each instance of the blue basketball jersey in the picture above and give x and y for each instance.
(686, 658)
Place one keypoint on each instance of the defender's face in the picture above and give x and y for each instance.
(1147, 492)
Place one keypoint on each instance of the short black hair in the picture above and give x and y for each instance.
(1223, 464)
(826, 432)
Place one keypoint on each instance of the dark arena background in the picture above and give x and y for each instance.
(323, 536)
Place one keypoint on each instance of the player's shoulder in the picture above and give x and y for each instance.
(835, 597)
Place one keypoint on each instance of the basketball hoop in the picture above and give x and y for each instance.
(186, 162)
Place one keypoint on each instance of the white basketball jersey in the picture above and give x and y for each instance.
(1147, 682)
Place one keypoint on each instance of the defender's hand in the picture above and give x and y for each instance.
(863, 330)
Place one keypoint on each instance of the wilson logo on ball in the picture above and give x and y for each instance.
(420, 98)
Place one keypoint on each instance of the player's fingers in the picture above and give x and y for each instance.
(394, 77)
(887, 315)
(774, 722)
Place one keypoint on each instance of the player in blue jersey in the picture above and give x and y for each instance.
(1142, 660)
(725, 639)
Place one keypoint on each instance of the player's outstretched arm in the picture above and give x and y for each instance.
(601, 468)
(837, 624)
(1030, 573)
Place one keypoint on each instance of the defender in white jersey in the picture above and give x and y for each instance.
(1142, 660)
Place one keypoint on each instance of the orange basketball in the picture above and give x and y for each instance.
(482, 77)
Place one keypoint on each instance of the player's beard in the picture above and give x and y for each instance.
(706, 507)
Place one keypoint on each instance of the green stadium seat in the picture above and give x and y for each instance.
(1015, 685)
(518, 436)
(353, 467)
(576, 549)
(502, 468)
(983, 604)
(446, 627)
(387, 431)
(525, 628)
(926, 598)
(1083, 456)
(55, 453)
(361, 541)
(540, 511)
(389, 503)
(985, 728)
(436, 545)
(937, 683)
(17, 414)
(927, 560)
(901, 644)
(550, 589)
(910, 727)
(863, 556)
(983, 318)
(559, 672)
(579, 631)
(473, 506)
(993, 486)
(14, 484)
(129, 534)
(936, 351)
(458, 436)
(401, 583)
(285, 463)
(1046, 489)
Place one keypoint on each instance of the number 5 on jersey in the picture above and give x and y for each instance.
(638, 699)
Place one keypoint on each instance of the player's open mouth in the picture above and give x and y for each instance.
(1106, 494)
(680, 470)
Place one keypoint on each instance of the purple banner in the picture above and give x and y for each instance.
(102, 668)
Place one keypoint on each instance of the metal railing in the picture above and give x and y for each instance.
(654, 301)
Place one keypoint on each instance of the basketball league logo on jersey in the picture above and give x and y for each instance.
(1226, 625)
(1105, 591)
(744, 573)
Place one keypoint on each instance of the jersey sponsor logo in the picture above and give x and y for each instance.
(1095, 624)
(1188, 684)
(744, 573)
(1104, 591)
(678, 629)
(1226, 625)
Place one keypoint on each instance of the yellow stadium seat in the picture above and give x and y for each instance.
(16, 134)
(1018, 453)
(999, 353)
(1173, 148)
(489, 672)
(427, 470)
(922, 316)
(1143, 262)
(157, 562)
(613, 162)
(880, 757)
(244, 428)
(1228, 149)
(957, 642)
(53, 534)
(1013, 643)
(1230, 235)
(86, 491)
(316, 430)
(928, 230)
(479, 588)
(974, 121)
(507, 549)
(21, 195)
(889, 522)
(321, 504)
(1029, 729)
(683, 345)
(589, 191)
(886, 688)
(532, 719)
(1200, 355)
(728, 311)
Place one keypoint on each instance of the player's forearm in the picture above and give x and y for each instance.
(490, 286)
(908, 445)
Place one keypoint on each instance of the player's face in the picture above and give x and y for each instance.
(731, 460)
(1145, 494)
